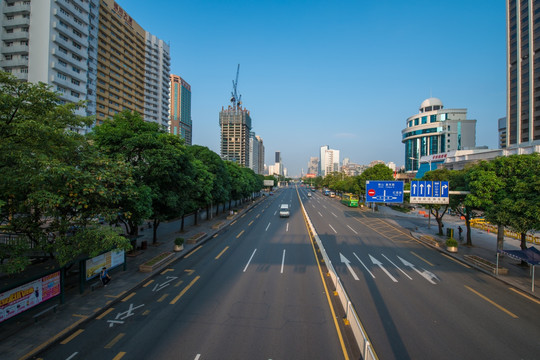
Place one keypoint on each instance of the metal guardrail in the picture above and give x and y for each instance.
(360, 334)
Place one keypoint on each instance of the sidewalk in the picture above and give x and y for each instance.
(484, 245)
(22, 336)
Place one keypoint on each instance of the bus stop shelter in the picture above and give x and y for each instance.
(531, 256)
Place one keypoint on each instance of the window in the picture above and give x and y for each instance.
(76, 82)
(424, 119)
(62, 62)
(9, 57)
(416, 121)
(75, 94)
(61, 76)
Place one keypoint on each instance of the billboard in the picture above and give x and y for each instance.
(24, 297)
(109, 260)
(268, 183)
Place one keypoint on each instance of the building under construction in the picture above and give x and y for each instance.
(235, 124)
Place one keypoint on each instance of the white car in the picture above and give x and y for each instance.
(308, 194)
(284, 210)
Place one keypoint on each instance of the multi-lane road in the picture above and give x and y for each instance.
(418, 303)
(255, 291)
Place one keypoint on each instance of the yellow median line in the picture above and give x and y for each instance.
(173, 301)
(241, 232)
(52, 340)
(492, 302)
(128, 297)
(221, 253)
(119, 355)
(114, 341)
(459, 262)
(421, 258)
(525, 295)
(191, 253)
(71, 337)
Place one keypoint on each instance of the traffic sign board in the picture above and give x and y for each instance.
(384, 191)
(429, 192)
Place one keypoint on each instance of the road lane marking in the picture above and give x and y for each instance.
(72, 355)
(166, 271)
(119, 355)
(267, 226)
(404, 273)
(282, 261)
(240, 234)
(361, 262)
(221, 253)
(275, 212)
(173, 301)
(197, 357)
(251, 222)
(163, 297)
(347, 263)
(421, 258)
(333, 214)
(114, 341)
(193, 252)
(249, 260)
(148, 283)
(128, 297)
(429, 276)
(215, 236)
(492, 302)
(332, 228)
(146, 312)
(525, 296)
(287, 227)
(354, 231)
(105, 313)
(457, 261)
(71, 337)
(379, 264)
(189, 271)
(256, 217)
(116, 296)
(319, 213)
(178, 283)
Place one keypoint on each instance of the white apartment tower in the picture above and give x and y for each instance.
(157, 77)
(54, 42)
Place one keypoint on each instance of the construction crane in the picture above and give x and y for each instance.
(236, 99)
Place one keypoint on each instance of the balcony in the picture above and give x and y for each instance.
(14, 63)
(16, 35)
(18, 21)
(17, 9)
(15, 49)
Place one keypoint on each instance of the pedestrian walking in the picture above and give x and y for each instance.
(460, 230)
(104, 276)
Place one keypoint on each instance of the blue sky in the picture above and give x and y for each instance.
(341, 73)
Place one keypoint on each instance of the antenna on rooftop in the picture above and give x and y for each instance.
(236, 99)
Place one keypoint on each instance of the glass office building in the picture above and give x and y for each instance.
(435, 130)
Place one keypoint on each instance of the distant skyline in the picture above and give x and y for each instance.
(345, 74)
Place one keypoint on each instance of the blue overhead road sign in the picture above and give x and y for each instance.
(429, 192)
(384, 191)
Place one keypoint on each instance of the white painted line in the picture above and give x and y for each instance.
(197, 357)
(282, 261)
(324, 206)
(287, 227)
(72, 355)
(319, 213)
(347, 263)
(370, 273)
(404, 273)
(267, 227)
(249, 260)
(379, 264)
(275, 212)
(352, 229)
(313, 206)
(332, 228)
(333, 214)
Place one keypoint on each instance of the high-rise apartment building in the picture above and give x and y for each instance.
(313, 166)
(328, 161)
(435, 130)
(322, 158)
(523, 62)
(256, 153)
(54, 42)
(133, 68)
(260, 160)
(180, 114)
(235, 124)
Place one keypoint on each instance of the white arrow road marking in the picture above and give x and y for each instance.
(379, 264)
(348, 263)
(158, 287)
(404, 273)
(370, 273)
(249, 260)
(282, 261)
(352, 229)
(429, 276)
(332, 228)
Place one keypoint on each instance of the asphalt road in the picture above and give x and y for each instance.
(415, 302)
(253, 292)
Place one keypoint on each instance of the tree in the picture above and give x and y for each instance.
(458, 181)
(52, 182)
(377, 172)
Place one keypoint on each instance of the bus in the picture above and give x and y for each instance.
(350, 200)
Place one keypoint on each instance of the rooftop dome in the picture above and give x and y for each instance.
(431, 104)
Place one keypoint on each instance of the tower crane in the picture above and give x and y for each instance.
(236, 99)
